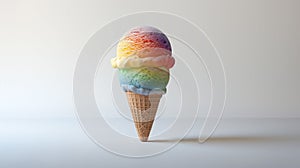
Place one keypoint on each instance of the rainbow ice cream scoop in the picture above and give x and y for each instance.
(144, 57)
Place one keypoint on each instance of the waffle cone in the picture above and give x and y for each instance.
(143, 110)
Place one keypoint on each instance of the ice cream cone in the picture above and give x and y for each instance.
(143, 110)
(144, 59)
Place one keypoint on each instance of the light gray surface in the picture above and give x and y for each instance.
(236, 143)
(41, 40)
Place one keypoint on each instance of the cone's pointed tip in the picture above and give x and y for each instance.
(143, 139)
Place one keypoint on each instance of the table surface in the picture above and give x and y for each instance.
(237, 142)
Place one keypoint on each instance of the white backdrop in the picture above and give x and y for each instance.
(257, 40)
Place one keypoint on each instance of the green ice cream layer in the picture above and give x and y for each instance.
(143, 80)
